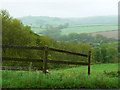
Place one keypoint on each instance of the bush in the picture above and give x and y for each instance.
(112, 73)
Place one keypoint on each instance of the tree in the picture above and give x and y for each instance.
(97, 55)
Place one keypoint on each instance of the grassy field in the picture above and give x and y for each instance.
(89, 28)
(102, 76)
(86, 28)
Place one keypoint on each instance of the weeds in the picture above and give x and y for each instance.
(112, 73)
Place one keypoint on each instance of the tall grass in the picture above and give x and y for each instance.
(68, 78)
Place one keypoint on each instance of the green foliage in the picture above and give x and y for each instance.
(104, 49)
(105, 53)
(85, 38)
(96, 55)
(15, 33)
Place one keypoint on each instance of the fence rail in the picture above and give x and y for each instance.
(63, 51)
(46, 60)
(21, 59)
(21, 47)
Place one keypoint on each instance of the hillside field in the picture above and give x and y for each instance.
(89, 28)
(107, 30)
(102, 76)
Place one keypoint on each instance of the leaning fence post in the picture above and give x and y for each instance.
(89, 61)
(45, 59)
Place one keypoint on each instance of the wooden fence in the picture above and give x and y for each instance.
(46, 60)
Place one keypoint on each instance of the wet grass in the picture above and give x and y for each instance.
(65, 78)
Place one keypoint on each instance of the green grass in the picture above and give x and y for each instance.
(88, 28)
(64, 78)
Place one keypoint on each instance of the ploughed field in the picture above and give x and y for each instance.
(108, 34)
(102, 76)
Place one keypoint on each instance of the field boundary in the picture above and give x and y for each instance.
(46, 60)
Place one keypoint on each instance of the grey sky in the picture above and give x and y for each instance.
(60, 8)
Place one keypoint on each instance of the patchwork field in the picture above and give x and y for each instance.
(107, 30)
(102, 76)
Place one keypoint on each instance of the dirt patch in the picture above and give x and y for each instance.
(108, 34)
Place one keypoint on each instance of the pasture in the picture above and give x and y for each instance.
(108, 30)
(88, 28)
(102, 76)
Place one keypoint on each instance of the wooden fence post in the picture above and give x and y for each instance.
(89, 61)
(45, 59)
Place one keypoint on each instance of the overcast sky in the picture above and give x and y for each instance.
(60, 8)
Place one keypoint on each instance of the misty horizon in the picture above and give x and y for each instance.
(69, 17)
(61, 9)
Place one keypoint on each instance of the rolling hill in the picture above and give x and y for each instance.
(43, 20)
(76, 25)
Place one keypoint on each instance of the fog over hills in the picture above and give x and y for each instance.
(43, 20)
